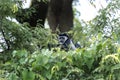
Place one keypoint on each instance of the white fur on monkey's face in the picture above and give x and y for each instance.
(62, 39)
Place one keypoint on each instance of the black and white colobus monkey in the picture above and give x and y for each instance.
(58, 12)
(67, 43)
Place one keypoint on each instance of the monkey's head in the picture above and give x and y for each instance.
(67, 43)
(63, 38)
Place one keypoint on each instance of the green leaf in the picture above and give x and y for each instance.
(13, 76)
(99, 47)
(28, 75)
(19, 53)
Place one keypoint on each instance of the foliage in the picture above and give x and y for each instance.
(85, 64)
(107, 22)
(25, 55)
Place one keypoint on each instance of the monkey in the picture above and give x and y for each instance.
(60, 15)
(65, 42)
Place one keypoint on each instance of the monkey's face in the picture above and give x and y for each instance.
(62, 39)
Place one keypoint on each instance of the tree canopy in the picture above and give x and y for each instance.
(24, 53)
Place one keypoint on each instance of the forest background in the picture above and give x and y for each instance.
(97, 59)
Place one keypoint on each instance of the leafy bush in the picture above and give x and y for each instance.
(84, 64)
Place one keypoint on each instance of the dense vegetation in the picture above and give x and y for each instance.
(25, 55)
